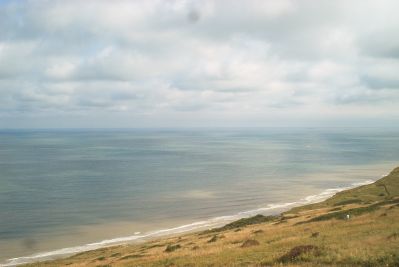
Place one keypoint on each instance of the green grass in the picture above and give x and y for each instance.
(348, 201)
(385, 188)
(341, 215)
(243, 222)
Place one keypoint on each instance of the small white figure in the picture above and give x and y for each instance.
(347, 216)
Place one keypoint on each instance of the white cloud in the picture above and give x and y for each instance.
(238, 62)
(63, 70)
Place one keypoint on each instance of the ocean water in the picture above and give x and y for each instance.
(64, 191)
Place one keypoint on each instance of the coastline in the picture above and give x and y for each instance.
(271, 209)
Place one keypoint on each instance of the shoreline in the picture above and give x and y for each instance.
(270, 209)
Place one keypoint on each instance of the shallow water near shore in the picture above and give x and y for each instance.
(67, 188)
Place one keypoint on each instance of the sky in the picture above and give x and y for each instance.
(254, 63)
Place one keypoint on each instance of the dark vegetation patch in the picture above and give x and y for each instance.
(195, 248)
(273, 240)
(296, 252)
(336, 209)
(341, 215)
(393, 236)
(84, 253)
(348, 201)
(290, 216)
(282, 220)
(213, 239)
(258, 231)
(171, 248)
(379, 183)
(250, 243)
(100, 258)
(204, 235)
(154, 246)
(315, 234)
(132, 256)
(243, 222)
(390, 201)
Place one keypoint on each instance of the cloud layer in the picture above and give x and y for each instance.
(198, 63)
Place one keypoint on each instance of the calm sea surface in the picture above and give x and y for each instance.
(64, 188)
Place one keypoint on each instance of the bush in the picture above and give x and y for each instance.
(171, 248)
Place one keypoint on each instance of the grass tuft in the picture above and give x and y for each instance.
(132, 256)
(250, 243)
(243, 222)
(315, 234)
(213, 239)
(297, 252)
(171, 248)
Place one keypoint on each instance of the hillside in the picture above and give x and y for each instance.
(314, 235)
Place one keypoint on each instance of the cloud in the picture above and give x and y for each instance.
(381, 73)
(216, 60)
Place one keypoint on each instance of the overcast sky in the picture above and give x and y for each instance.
(199, 63)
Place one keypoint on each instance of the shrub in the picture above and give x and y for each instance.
(296, 252)
(249, 243)
(171, 248)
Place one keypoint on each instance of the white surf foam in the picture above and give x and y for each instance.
(206, 224)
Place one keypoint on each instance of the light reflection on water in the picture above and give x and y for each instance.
(58, 188)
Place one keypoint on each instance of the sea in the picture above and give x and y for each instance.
(64, 191)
